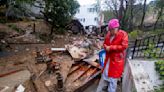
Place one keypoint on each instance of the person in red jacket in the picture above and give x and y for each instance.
(115, 44)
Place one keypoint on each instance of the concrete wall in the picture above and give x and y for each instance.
(140, 76)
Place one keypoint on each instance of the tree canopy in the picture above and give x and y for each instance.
(59, 12)
(56, 12)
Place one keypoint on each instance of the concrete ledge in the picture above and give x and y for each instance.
(140, 76)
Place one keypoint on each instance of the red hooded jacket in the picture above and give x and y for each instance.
(116, 53)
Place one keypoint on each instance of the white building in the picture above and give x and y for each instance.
(89, 15)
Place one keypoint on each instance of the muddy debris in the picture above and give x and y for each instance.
(56, 69)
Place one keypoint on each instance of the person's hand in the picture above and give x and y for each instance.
(107, 47)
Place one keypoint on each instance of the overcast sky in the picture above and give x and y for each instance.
(86, 2)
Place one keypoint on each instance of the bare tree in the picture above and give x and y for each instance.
(113, 6)
(121, 9)
(144, 13)
(125, 11)
(159, 7)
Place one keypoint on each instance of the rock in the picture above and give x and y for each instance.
(15, 50)
(27, 49)
(38, 40)
(20, 88)
(48, 83)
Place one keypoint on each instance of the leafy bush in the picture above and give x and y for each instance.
(159, 66)
(151, 52)
(135, 34)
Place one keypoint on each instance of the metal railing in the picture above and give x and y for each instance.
(148, 47)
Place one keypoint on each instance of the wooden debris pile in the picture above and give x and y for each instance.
(69, 69)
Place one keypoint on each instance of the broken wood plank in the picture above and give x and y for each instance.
(90, 72)
(92, 61)
(78, 79)
(82, 73)
(91, 75)
(73, 69)
(88, 83)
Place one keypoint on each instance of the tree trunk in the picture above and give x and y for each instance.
(131, 16)
(159, 15)
(116, 13)
(124, 18)
(121, 9)
(144, 12)
(52, 29)
(121, 12)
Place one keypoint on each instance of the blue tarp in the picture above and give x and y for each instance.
(102, 54)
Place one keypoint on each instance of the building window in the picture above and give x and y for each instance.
(84, 20)
(95, 19)
(96, 9)
(91, 9)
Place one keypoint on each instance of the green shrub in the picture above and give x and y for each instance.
(160, 89)
(151, 51)
(135, 34)
(159, 66)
